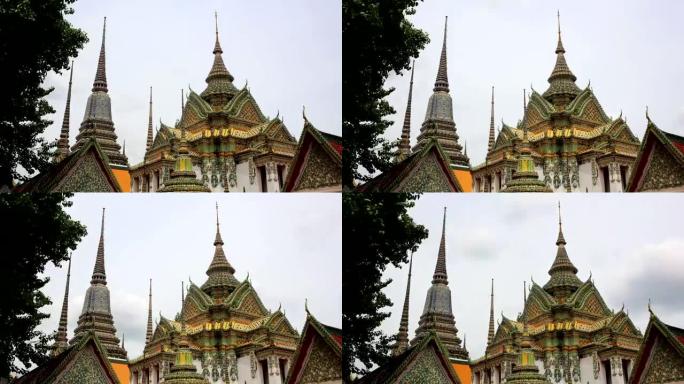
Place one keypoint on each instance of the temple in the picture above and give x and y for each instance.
(575, 146)
(572, 334)
(435, 354)
(231, 145)
(437, 150)
(95, 162)
(227, 333)
(659, 167)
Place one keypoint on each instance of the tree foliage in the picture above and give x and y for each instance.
(377, 231)
(35, 39)
(37, 231)
(377, 38)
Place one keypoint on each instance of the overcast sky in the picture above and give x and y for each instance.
(290, 51)
(629, 49)
(631, 244)
(290, 246)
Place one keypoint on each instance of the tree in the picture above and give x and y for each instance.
(35, 38)
(376, 231)
(37, 231)
(377, 38)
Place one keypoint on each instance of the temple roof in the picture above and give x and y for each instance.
(654, 136)
(392, 178)
(58, 367)
(331, 337)
(58, 177)
(397, 366)
(659, 335)
(310, 137)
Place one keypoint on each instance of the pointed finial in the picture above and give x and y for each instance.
(465, 148)
(100, 83)
(559, 47)
(123, 341)
(216, 22)
(442, 81)
(524, 294)
(560, 221)
(306, 305)
(464, 341)
(304, 113)
(124, 147)
(647, 117)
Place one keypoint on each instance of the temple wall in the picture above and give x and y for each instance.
(587, 370)
(585, 179)
(242, 171)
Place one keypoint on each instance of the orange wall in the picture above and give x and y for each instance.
(465, 178)
(122, 372)
(463, 372)
(124, 179)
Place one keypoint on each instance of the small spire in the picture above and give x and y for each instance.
(182, 305)
(123, 341)
(61, 340)
(464, 341)
(148, 335)
(524, 124)
(402, 336)
(465, 148)
(490, 334)
(524, 294)
(405, 143)
(99, 276)
(63, 143)
(442, 81)
(491, 125)
(440, 275)
(150, 136)
(124, 148)
(100, 83)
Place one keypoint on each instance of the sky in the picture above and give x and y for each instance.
(289, 245)
(289, 52)
(630, 244)
(629, 49)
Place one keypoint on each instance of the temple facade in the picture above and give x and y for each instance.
(232, 145)
(575, 146)
(573, 335)
(228, 332)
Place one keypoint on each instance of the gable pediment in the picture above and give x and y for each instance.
(662, 169)
(426, 176)
(88, 174)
